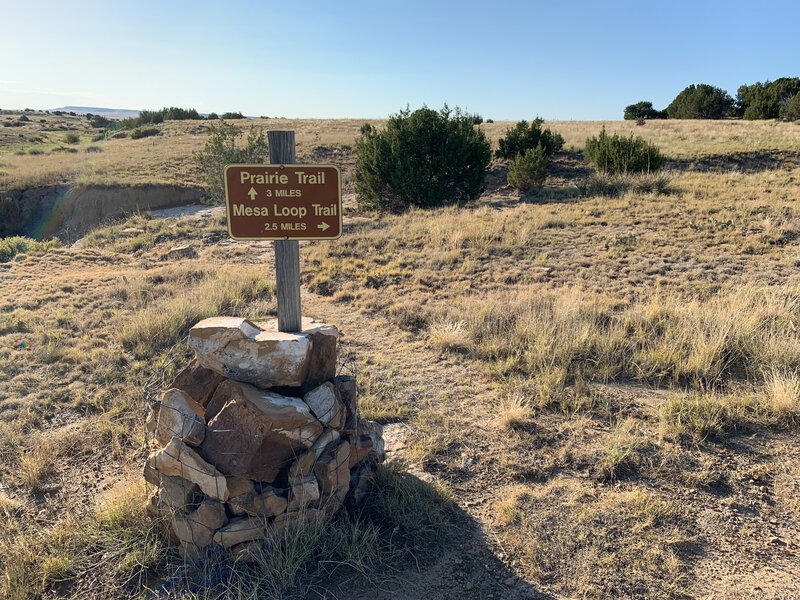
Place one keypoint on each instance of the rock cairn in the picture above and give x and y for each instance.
(257, 434)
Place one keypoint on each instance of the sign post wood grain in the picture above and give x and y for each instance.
(287, 252)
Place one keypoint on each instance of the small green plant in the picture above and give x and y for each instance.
(94, 149)
(606, 184)
(525, 136)
(426, 158)
(232, 115)
(143, 132)
(529, 170)
(221, 149)
(71, 138)
(616, 154)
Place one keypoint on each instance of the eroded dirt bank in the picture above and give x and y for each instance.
(69, 211)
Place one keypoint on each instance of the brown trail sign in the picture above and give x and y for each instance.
(284, 202)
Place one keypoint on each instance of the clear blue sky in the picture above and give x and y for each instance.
(504, 60)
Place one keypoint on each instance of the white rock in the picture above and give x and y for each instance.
(239, 350)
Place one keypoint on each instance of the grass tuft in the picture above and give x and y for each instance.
(783, 392)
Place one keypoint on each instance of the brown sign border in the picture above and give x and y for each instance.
(283, 237)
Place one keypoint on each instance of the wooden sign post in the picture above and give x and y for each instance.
(284, 202)
(287, 252)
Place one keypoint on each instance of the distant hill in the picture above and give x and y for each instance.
(118, 113)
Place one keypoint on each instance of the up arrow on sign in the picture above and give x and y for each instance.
(252, 193)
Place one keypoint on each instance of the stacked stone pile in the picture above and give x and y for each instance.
(257, 434)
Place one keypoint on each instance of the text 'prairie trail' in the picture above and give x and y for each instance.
(299, 177)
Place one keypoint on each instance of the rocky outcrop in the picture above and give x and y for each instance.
(256, 436)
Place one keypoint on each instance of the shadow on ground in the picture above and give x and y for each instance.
(756, 161)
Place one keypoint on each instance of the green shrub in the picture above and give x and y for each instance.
(99, 121)
(529, 170)
(793, 108)
(232, 115)
(616, 154)
(768, 100)
(143, 132)
(12, 246)
(71, 138)
(24, 118)
(643, 110)
(524, 136)
(212, 116)
(426, 158)
(221, 150)
(605, 184)
(154, 117)
(94, 149)
(701, 101)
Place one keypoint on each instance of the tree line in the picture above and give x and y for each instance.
(779, 99)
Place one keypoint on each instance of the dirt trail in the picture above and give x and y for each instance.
(472, 566)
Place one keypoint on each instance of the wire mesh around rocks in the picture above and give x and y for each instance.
(235, 465)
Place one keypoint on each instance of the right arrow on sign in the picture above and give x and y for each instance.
(252, 193)
(323, 226)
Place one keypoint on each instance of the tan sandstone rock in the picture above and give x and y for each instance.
(362, 446)
(266, 504)
(198, 382)
(301, 467)
(345, 386)
(178, 493)
(180, 416)
(179, 460)
(238, 486)
(325, 440)
(238, 531)
(256, 433)
(196, 530)
(375, 432)
(303, 494)
(333, 467)
(238, 349)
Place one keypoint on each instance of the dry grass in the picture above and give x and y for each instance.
(783, 393)
(596, 543)
(514, 412)
(631, 338)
